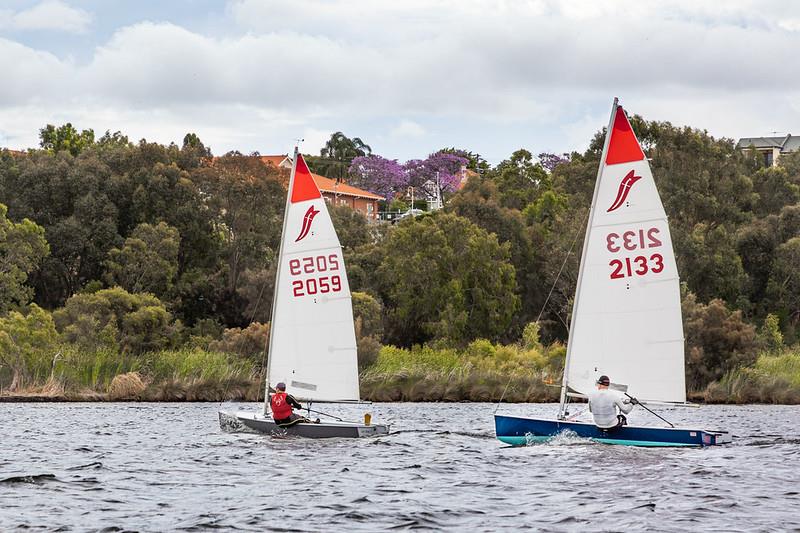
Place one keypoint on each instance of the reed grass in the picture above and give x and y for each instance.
(190, 374)
(775, 378)
(481, 372)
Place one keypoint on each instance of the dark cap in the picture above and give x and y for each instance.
(282, 385)
(603, 380)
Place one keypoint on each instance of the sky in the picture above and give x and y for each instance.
(408, 78)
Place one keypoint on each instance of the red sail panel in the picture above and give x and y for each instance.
(304, 187)
(623, 146)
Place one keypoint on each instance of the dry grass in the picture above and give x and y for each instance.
(128, 386)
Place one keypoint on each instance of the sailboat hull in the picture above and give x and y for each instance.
(519, 431)
(249, 422)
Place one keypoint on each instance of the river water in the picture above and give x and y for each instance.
(157, 467)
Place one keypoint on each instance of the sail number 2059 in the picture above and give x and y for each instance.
(319, 284)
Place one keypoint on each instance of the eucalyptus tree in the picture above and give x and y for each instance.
(22, 248)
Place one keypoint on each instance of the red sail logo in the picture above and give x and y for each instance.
(624, 188)
(308, 218)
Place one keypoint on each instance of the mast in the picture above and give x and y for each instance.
(564, 384)
(278, 279)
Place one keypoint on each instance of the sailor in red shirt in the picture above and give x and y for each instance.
(282, 404)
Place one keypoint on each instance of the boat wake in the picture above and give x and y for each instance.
(564, 438)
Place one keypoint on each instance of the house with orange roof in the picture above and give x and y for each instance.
(335, 192)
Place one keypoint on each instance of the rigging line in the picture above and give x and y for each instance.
(502, 396)
(552, 288)
(563, 264)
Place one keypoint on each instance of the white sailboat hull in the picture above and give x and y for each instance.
(250, 422)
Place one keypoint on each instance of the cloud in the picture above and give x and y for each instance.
(48, 15)
(790, 24)
(407, 128)
(479, 73)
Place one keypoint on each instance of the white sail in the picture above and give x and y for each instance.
(312, 338)
(627, 314)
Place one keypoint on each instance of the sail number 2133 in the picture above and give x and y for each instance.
(322, 282)
(630, 241)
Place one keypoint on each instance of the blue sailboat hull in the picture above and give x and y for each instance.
(519, 431)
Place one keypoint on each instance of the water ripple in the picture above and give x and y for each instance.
(154, 467)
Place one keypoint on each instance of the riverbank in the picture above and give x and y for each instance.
(481, 372)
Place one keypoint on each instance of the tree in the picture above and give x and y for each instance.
(115, 318)
(65, 138)
(479, 202)
(776, 189)
(520, 180)
(439, 173)
(250, 342)
(378, 175)
(22, 248)
(246, 200)
(550, 161)
(148, 261)
(23, 337)
(341, 148)
(784, 282)
(717, 341)
(756, 244)
(475, 162)
(708, 262)
(444, 277)
(352, 227)
(368, 317)
(337, 155)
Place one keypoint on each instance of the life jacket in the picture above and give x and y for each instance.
(280, 408)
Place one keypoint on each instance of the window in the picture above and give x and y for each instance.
(768, 158)
(370, 208)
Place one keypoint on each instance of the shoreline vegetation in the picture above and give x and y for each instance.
(482, 372)
(145, 272)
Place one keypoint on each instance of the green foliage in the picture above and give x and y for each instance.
(530, 336)
(520, 180)
(191, 364)
(444, 277)
(771, 334)
(201, 233)
(25, 340)
(784, 283)
(65, 138)
(351, 226)
(250, 342)
(115, 318)
(481, 372)
(22, 248)
(336, 156)
(247, 200)
(368, 315)
(718, 340)
(148, 261)
(709, 263)
(775, 378)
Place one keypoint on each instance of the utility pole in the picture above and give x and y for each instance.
(438, 192)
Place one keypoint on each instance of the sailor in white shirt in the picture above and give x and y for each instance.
(607, 405)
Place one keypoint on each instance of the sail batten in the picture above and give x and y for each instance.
(627, 314)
